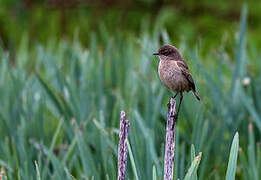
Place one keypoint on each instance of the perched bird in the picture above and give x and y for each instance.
(174, 72)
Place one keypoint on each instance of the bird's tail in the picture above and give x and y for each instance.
(196, 95)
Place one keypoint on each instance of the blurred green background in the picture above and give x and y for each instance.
(68, 67)
(191, 20)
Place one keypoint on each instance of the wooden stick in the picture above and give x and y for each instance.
(170, 140)
(122, 147)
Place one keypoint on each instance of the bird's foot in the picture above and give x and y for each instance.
(175, 117)
(175, 95)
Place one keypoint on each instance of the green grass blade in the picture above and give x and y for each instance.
(252, 110)
(154, 173)
(37, 171)
(51, 93)
(251, 152)
(132, 162)
(193, 155)
(193, 168)
(232, 163)
(240, 55)
(50, 150)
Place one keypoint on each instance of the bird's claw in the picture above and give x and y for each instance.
(175, 116)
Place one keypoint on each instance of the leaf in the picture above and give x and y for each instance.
(51, 92)
(240, 65)
(193, 155)
(193, 168)
(251, 153)
(132, 161)
(232, 163)
(154, 173)
(37, 171)
(252, 110)
(51, 148)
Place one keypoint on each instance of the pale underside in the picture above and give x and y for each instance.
(171, 76)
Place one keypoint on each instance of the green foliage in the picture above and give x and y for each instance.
(154, 173)
(133, 163)
(191, 174)
(191, 20)
(194, 175)
(37, 171)
(232, 163)
(251, 163)
(60, 104)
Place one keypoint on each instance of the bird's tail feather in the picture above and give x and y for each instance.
(196, 95)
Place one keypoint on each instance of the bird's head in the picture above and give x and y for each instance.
(168, 52)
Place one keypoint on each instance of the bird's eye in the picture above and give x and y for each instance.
(166, 53)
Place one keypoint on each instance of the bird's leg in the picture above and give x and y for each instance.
(180, 100)
(173, 98)
(175, 95)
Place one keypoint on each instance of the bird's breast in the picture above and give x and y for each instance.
(171, 76)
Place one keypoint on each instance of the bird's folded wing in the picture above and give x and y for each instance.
(185, 71)
(182, 64)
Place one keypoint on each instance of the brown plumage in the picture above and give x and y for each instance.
(174, 72)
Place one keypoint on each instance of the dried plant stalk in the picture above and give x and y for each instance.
(122, 147)
(170, 140)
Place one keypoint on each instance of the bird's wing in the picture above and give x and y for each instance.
(185, 71)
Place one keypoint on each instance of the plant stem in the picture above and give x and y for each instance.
(122, 147)
(170, 140)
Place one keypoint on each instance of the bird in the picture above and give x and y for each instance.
(174, 72)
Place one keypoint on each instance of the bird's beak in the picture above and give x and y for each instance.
(156, 54)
